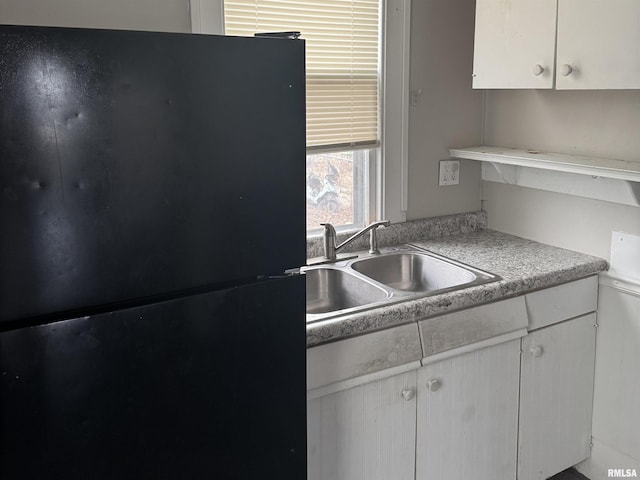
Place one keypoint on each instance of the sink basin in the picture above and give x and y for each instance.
(396, 274)
(329, 289)
(413, 272)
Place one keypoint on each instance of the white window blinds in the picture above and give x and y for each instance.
(342, 65)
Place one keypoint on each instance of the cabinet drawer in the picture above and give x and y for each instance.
(354, 357)
(472, 325)
(553, 305)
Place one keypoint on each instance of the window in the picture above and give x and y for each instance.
(344, 68)
(337, 188)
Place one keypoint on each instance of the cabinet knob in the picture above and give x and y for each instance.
(536, 351)
(566, 70)
(434, 384)
(538, 69)
(408, 393)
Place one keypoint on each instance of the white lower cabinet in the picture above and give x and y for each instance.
(468, 415)
(518, 409)
(556, 397)
(365, 432)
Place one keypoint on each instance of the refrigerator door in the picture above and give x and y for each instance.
(136, 163)
(207, 386)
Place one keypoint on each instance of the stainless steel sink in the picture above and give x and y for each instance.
(330, 289)
(413, 272)
(396, 274)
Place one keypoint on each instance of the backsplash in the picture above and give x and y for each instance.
(408, 231)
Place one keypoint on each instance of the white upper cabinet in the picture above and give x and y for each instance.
(598, 44)
(595, 45)
(514, 44)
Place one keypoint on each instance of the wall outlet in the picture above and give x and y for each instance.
(449, 172)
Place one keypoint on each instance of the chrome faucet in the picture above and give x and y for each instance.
(330, 247)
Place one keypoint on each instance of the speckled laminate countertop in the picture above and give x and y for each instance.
(524, 265)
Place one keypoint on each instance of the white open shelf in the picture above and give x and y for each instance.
(605, 179)
(596, 167)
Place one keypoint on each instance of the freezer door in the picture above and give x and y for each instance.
(211, 386)
(140, 163)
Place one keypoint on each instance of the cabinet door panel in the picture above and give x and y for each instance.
(600, 41)
(467, 423)
(364, 433)
(556, 397)
(511, 39)
(616, 416)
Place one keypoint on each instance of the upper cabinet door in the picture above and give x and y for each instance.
(598, 44)
(514, 43)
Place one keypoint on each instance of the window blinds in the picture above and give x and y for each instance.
(342, 64)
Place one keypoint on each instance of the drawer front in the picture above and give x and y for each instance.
(556, 304)
(354, 357)
(465, 327)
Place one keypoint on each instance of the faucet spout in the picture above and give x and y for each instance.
(330, 247)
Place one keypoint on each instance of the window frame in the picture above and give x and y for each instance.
(393, 169)
(207, 16)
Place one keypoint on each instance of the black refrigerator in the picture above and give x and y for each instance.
(152, 201)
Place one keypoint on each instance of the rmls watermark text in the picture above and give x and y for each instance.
(622, 472)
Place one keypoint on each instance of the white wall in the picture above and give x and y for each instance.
(602, 123)
(593, 123)
(449, 112)
(154, 15)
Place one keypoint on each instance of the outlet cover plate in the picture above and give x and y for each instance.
(449, 173)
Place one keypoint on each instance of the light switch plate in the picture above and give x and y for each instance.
(449, 172)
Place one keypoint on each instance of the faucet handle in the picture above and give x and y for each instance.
(329, 241)
(328, 229)
(373, 238)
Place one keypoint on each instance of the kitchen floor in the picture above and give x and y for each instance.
(570, 474)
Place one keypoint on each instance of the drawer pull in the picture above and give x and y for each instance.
(566, 70)
(536, 351)
(434, 384)
(538, 69)
(408, 393)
